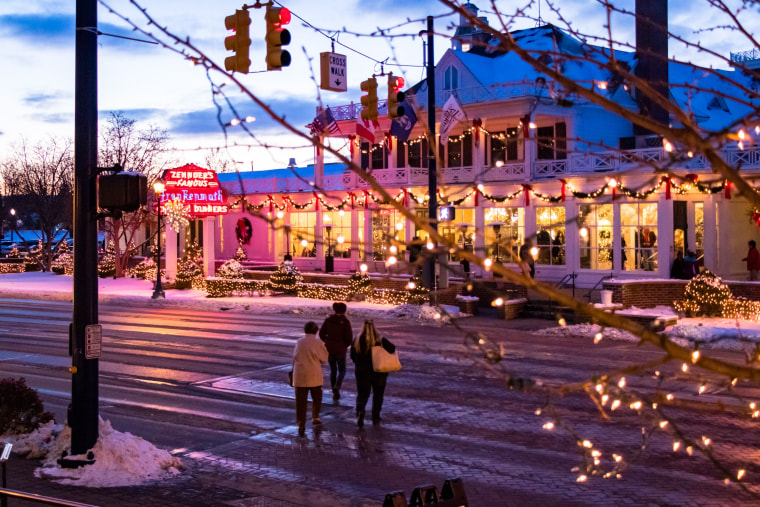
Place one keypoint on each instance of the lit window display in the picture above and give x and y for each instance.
(337, 233)
(550, 235)
(699, 231)
(460, 231)
(638, 229)
(504, 233)
(595, 236)
(302, 234)
(388, 234)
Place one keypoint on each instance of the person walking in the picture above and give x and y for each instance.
(337, 335)
(753, 260)
(367, 379)
(309, 356)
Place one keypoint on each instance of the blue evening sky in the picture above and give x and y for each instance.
(158, 87)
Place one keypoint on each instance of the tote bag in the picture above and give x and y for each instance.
(383, 361)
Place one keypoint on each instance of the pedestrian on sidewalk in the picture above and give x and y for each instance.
(367, 380)
(753, 260)
(337, 335)
(309, 356)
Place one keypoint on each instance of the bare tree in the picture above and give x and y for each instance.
(40, 179)
(683, 138)
(137, 150)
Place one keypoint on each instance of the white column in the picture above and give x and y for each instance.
(171, 253)
(664, 236)
(711, 234)
(617, 235)
(572, 252)
(319, 165)
(209, 254)
(368, 256)
(480, 230)
(355, 238)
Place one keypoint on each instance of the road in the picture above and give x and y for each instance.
(210, 386)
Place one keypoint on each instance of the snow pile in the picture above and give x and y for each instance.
(121, 459)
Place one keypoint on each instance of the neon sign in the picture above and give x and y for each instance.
(197, 188)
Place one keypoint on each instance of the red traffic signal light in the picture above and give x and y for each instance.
(239, 42)
(369, 101)
(276, 37)
(395, 95)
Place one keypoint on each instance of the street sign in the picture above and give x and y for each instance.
(93, 340)
(333, 72)
(6, 453)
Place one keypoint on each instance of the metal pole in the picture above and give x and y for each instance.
(429, 271)
(158, 289)
(83, 416)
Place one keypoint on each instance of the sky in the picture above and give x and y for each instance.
(155, 86)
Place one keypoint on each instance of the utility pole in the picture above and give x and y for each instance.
(429, 271)
(83, 412)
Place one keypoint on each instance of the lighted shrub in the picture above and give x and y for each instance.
(706, 296)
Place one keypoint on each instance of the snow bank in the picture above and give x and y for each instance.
(121, 459)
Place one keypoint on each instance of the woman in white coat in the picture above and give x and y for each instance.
(309, 356)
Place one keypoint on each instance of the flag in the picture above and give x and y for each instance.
(401, 127)
(366, 129)
(450, 116)
(323, 122)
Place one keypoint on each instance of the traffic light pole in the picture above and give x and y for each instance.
(429, 271)
(83, 412)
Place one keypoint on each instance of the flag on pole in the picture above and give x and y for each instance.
(323, 122)
(450, 116)
(366, 129)
(401, 127)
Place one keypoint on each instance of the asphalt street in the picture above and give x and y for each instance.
(211, 387)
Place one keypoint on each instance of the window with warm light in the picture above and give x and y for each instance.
(638, 230)
(699, 230)
(504, 146)
(459, 153)
(504, 233)
(302, 234)
(388, 230)
(339, 223)
(595, 236)
(460, 231)
(550, 235)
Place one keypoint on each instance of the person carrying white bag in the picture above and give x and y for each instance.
(366, 349)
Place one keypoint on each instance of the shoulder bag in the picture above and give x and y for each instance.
(383, 361)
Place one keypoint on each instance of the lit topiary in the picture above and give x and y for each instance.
(187, 272)
(360, 283)
(240, 254)
(64, 262)
(706, 295)
(107, 263)
(194, 252)
(286, 278)
(14, 254)
(33, 260)
(230, 269)
(418, 293)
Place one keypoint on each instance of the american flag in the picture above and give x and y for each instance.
(324, 121)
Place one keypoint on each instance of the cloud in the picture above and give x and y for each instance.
(41, 99)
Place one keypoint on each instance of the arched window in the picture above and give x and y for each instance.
(451, 78)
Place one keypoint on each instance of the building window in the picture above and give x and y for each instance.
(374, 156)
(595, 236)
(418, 152)
(460, 150)
(388, 234)
(699, 231)
(451, 78)
(302, 234)
(552, 142)
(504, 233)
(550, 235)
(638, 230)
(338, 239)
(504, 146)
(460, 230)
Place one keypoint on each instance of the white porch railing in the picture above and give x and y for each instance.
(574, 165)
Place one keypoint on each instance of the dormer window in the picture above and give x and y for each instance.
(718, 103)
(451, 78)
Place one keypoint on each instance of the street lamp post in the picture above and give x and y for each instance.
(158, 290)
(13, 222)
(329, 260)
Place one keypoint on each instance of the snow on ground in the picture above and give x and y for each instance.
(727, 334)
(50, 286)
(121, 459)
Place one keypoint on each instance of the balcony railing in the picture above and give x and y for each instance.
(574, 165)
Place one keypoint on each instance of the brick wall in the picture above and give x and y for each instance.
(651, 293)
(488, 290)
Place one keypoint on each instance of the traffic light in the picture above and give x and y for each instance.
(395, 95)
(123, 191)
(276, 37)
(239, 42)
(369, 101)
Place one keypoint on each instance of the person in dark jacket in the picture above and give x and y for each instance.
(677, 269)
(367, 380)
(337, 335)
